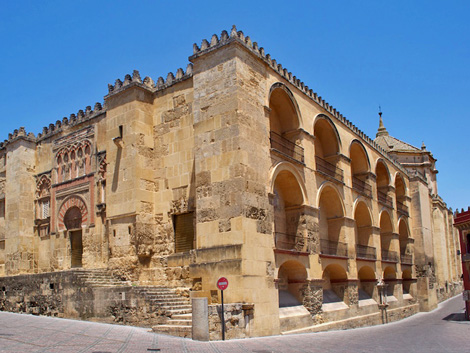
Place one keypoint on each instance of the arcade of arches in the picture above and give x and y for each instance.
(357, 243)
(231, 168)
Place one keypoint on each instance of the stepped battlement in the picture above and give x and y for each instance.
(246, 41)
(148, 82)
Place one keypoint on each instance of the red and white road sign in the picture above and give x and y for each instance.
(222, 283)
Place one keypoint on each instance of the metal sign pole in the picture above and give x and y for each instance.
(223, 315)
(222, 284)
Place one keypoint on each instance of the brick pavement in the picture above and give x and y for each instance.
(424, 332)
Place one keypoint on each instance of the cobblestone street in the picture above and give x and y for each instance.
(437, 331)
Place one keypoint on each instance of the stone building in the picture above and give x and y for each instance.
(462, 222)
(233, 168)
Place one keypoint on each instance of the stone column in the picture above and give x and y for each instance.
(200, 317)
(351, 296)
(312, 294)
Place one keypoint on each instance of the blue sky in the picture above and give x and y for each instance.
(410, 57)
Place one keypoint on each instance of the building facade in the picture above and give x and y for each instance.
(462, 222)
(235, 168)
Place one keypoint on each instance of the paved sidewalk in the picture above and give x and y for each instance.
(435, 332)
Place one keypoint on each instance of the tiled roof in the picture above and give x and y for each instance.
(390, 143)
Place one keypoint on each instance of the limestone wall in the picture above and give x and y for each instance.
(19, 211)
(62, 294)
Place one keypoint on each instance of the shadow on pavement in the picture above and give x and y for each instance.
(455, 317)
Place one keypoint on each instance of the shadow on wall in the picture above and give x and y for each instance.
(116, 169)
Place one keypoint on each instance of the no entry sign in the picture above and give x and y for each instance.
(222, 283)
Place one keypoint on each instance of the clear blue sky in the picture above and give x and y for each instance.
(410, 57)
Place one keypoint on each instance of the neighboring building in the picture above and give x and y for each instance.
(462, 222)
(231, 168)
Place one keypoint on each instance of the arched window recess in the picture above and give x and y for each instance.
(360, 169)
(388, 239)
(332, 223)
(406, 243)
(383, 184)
(327, 148)
(293, 219)
(400, 196)
(365, 249)
(284, 124)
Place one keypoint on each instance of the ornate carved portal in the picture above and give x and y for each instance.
(73, 202)
(73, 213)
(73, 220)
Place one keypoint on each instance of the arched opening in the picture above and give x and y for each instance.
(383, 183)
(67, 167)
(73, 165)
(332, 223)
(284, 123)
(288, 201)
(389, 273)
(363, 228)
(389, 253)
(390, 278)
(327, 148)
(292, 277)
(360, 168)
(73, 223)
(367, 283)
(407, 281)
(406, 255)
(87, 161)
(400, 195)
(334, 287)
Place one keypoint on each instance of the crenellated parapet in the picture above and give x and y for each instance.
(239, 36)
(148, 83)
(72, 120)
(17, 135)
(60, 125)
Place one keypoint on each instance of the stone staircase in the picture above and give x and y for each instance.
(99, 278)
(176, 308)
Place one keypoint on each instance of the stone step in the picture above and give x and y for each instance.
(161, 293)
(175, 310)
(174, 330)
(178, 306)
(183, 316)
(179, 311)
(172, 305)
(166, 299)
(180, 322)
(110, 280)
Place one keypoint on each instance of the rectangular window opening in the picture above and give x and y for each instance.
(184, 232)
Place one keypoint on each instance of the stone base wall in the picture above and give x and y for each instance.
(366, 320)
(237, 320)
(448, 291)
(62, 294)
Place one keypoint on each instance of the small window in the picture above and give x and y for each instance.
(468, 243)
(2, 208)
(44, 209)
(184, 232)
